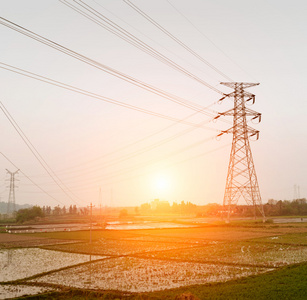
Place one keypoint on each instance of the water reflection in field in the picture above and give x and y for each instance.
(22, 263)
(289, 220)
(108, 226)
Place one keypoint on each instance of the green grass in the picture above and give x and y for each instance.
(286, 283)
(291, 238)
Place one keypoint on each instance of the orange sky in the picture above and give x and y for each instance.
(91, 144)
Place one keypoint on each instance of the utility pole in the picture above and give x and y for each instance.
(100, 201)
(241, 177)
(11, 205)
(91, 207)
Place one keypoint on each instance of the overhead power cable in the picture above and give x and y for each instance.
(101, 66)
(36, 154)
(140, 165)
(137, 153)
(60, 84)
(163, 157)
(141, 140)
(131, 155)
(175, 53)
(105, 99)
(93, 182)
(152, 21)
(114, 28)
(206, 37)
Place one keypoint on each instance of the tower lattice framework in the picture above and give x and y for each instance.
(241, 177)
(11, 205)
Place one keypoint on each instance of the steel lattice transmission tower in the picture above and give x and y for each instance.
(241, 177)
(11, 206)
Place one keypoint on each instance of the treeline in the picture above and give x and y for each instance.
(37, 212)
(286, 207)
(296, 207)
(158, 206)
(57, 210)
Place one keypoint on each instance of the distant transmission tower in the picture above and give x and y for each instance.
(11, 206)
(241, 178)
(296, 192)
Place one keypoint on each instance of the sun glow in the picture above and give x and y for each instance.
(162, 184)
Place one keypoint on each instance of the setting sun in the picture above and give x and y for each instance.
(162, 184)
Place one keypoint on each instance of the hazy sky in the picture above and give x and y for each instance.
(135, 157)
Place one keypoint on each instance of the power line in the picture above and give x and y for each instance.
(60, 84)
(15, 125)
(103, 98)
(86, 171)
(137, 153)
(206, 37)
(148, 37)
(140, 165)
(168, 166)
(148, 148)
(132, 39)
(35, 152)
(101, 66)
(161, 28)
(142, 151)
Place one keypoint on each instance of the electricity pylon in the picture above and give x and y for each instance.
(11, 206)
(241, 177)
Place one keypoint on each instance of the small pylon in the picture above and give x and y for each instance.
(11, 205)
(241, 177)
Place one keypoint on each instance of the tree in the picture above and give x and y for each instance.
(28, 214)
(48, 210)
(145, 208)
(56, 210)
(84, 211)
(272, 202)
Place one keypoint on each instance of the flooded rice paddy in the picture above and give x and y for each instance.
(144, 260)
(144, 275)
(239, 253)
(22, 263)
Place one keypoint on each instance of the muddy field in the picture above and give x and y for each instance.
(18, 240)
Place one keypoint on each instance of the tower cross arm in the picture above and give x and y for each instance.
(226, 113)
(244, 85)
